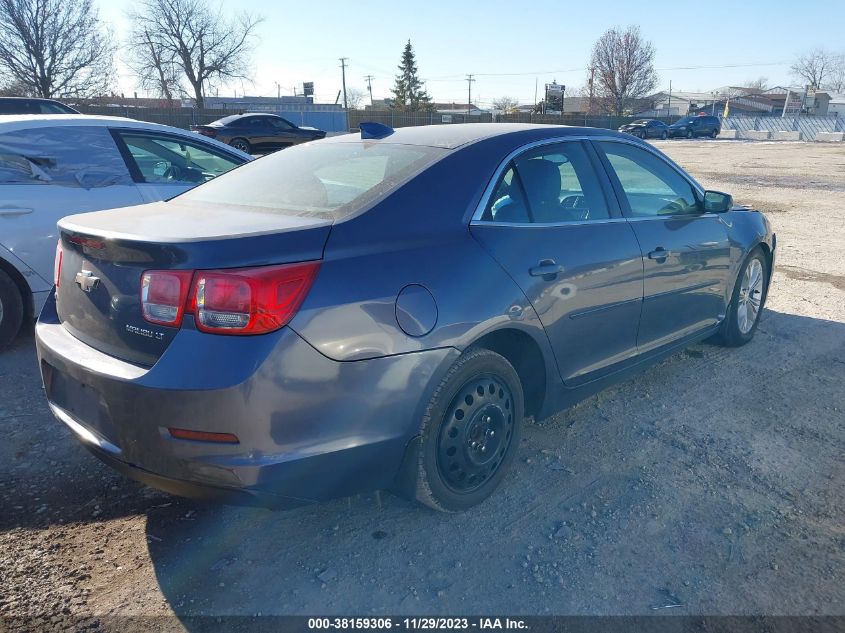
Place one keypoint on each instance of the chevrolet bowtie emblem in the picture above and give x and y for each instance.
(86, 280)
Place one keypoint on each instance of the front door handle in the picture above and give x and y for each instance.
(659, 253)
(547, 269)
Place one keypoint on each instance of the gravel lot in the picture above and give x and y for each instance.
(713, 483)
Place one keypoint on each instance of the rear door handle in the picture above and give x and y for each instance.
(547, 269)
(659, 253)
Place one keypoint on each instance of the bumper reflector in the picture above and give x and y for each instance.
(204, 436)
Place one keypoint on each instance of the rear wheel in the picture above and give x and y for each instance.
(746, 302)
(470, 432)
(690, 134)
(714, 133)
(241, 143)
(664, 135)
(11, 310)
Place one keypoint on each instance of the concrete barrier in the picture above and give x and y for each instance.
(830, 137)
(758, 135)
(786, 136)
(728, 134)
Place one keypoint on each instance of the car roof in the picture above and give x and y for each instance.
(11, 122)
(17, 122)
(454, 135)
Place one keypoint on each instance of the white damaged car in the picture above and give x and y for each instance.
(53, 166)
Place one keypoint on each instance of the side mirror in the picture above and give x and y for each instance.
(717, 202)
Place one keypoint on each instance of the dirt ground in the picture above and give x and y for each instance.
(713, 483)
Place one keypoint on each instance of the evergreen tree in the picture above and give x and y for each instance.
(408, 91)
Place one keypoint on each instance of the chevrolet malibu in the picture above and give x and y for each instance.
(382, 310)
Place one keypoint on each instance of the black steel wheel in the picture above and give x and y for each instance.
(475, 433)
(470, 431)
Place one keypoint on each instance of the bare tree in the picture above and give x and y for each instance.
(204, 47)
(756, 85)
(622, 65)
(505, 103)
(355, 98)
(54, 48)
(819, 66)
(154, 64)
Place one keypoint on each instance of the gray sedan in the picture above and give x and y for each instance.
(382, 310)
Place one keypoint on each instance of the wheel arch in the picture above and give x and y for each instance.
(23, 287)
(524, 353)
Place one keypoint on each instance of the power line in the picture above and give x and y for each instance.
(572, 70)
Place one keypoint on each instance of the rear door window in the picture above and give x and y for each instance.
(72, 156)
(550, 185)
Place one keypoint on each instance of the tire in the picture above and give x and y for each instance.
(736, 330)
(241, 144)
(690, 134)
(11, 310)
(664, 135)
(714, 133)
(470, 432)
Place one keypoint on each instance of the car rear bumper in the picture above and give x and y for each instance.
(309, 428)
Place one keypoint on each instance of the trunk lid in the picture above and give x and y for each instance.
(105, 253)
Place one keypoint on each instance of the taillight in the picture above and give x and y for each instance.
(164, 294)
(57, 264)
(207, 132)
(235, 301)
(250, 300)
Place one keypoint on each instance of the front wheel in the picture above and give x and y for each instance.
(690, 134)
(470, 432)
(664, 135)
(714, 133)
(746, 301)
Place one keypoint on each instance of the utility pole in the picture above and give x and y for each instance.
(592, 79)
(470, 79)
(669, 104)
(369, 80)
(343, 61)
(278, 90)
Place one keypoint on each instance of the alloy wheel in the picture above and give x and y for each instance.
(476, 433)
(750, 296)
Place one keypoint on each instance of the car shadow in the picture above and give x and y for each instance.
(666, 491)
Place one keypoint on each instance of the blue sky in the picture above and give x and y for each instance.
(509, 44)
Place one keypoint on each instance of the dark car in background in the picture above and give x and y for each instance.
(258, 132)
(381, 310)
(31, 105)
(646, 128)
(693, 126)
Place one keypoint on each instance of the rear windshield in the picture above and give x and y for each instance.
(328, 180)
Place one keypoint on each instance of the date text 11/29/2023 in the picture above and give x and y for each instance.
(418, 623)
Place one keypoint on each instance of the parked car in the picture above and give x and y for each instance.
(52, 166)
(692, 126)
(30, 105)
(381, 310)
(646, 128)
(258, 132)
